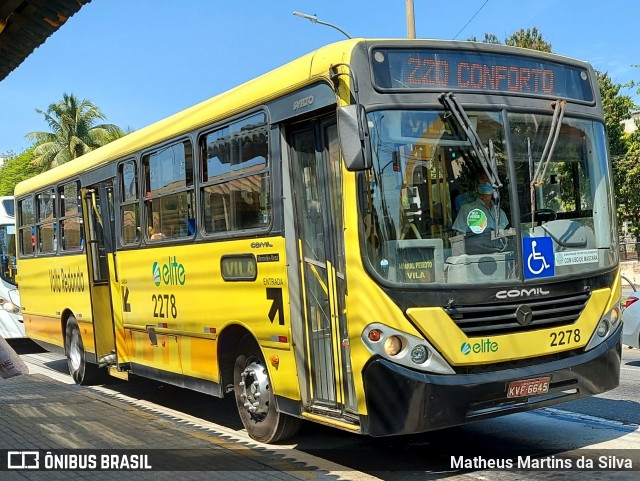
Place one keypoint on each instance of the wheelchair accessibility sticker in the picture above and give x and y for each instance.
(538, 257)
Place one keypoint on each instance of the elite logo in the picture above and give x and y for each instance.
(170, 274)
(480, 347)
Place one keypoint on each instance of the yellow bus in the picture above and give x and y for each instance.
(385, 236)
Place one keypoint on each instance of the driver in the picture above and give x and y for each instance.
(477, 215)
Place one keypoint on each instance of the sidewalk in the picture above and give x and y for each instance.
(630, 270)
(38, 413)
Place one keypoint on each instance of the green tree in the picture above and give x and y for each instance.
(626, 170)
(624, 150)
(529, 38)
(524, 38)
(73, 132)
(617, 108)
(488, 38)
(16, 169)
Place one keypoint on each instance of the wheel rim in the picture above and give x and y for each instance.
(75, 352)
(254, 386)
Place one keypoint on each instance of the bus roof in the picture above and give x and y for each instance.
(287, 78)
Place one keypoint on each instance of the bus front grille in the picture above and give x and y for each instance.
(496, 319)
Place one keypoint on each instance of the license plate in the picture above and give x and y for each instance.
(528, 387)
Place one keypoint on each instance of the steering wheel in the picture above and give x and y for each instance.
(541, 215)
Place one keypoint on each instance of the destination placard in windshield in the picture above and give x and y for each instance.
(430, 69)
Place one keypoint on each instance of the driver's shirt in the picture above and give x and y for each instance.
(475, 217)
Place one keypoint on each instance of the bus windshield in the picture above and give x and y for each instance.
(431, 216)
(8, 268)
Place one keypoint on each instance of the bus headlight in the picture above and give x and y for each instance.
(402, 348)
(605, 327)
(419, 354)
(392, 345)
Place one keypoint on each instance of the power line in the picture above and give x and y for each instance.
(474, 16)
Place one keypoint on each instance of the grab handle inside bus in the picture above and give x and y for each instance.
(354, 137)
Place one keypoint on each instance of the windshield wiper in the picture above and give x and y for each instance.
(487, 159)
(554, 132)
(485, 156)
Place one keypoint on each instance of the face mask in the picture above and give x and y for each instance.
(485, 188)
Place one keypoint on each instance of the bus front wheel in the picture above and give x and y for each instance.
(81, 371)
(254, 397)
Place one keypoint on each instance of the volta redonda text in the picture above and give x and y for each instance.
(66, 281)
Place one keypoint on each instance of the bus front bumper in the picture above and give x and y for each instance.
(403, 401)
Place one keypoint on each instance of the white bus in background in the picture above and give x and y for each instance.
(11, 324)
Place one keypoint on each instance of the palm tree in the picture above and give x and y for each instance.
(73, 132)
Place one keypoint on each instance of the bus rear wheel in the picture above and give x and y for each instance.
(254, 397)
(81, 371)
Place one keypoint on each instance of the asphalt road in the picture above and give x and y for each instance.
(621, 404)
(606, 425)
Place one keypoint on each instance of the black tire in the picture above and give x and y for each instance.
(259, 413)
(81, 371)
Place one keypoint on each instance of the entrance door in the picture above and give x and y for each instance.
(98, 214)
(317, 191)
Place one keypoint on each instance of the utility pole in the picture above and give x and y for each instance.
(411, 21)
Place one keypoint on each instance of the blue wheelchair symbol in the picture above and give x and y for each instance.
(538, 258)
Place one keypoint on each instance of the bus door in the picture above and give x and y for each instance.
(317, 193)
(99, 228)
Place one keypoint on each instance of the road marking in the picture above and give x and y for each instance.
(570, 415)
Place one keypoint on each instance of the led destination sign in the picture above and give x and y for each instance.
(481, 71)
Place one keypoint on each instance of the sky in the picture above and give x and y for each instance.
(140, 61)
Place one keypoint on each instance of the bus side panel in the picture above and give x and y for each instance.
(48, 287)
(163, 354)
(180, 291)
(199, 359)
(366, 302)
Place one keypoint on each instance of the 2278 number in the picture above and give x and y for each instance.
(164, 305)
(562, 338)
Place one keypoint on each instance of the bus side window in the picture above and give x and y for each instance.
(247, 209)
(218, 218)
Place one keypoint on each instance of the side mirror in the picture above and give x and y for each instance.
(354, 138)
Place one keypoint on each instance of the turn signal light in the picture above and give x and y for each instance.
(374, 335)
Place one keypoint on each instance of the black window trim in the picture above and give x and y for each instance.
(202, 184)
(142, 189)
(122, 203)
(62, 217)
(38, 222)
